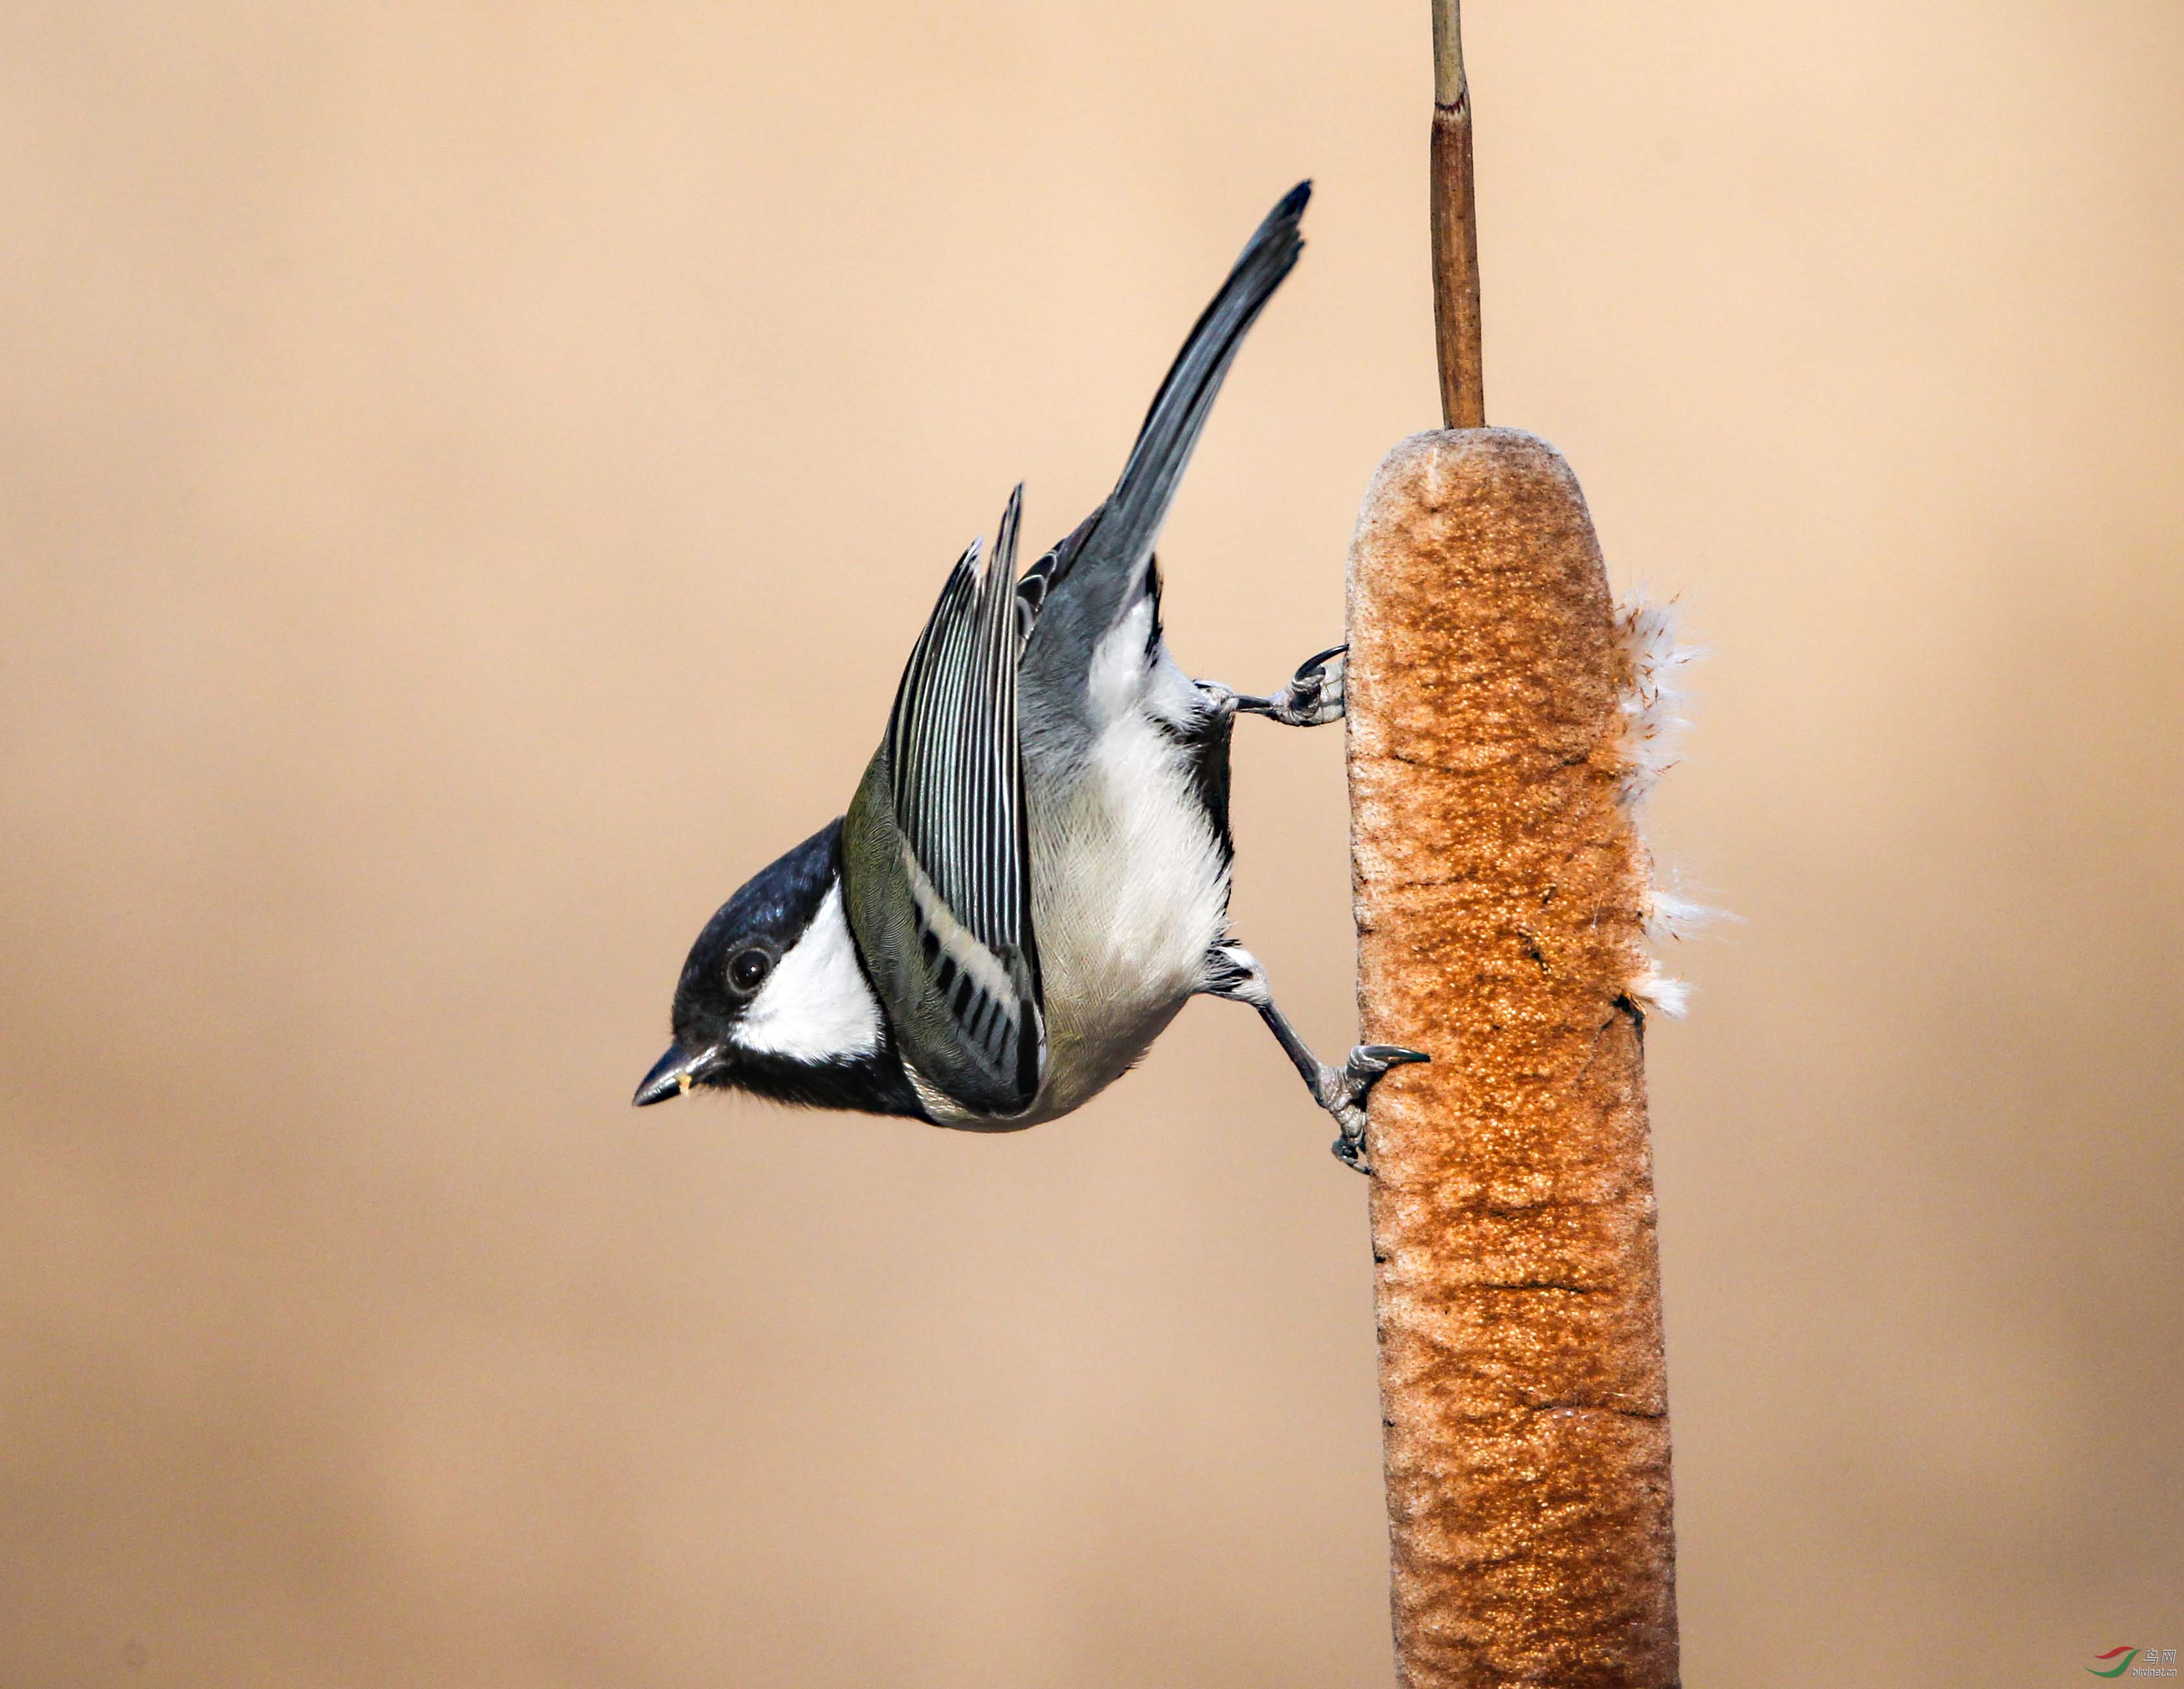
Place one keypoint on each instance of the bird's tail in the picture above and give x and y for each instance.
(1132, 519)
(1075, 593)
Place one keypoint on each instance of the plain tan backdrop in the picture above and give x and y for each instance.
(471, 475)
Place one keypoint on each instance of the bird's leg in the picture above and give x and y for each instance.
(1312, 698)
(1233, 972)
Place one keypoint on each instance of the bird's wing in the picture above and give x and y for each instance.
(955, 778)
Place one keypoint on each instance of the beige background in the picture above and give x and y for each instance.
(472, 474)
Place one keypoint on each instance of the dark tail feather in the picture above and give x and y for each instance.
(1074, 592)
(1140, 502)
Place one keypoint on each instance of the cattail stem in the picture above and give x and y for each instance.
(1455, 232)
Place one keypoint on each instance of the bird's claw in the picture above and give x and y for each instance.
(1350, 1151)
(1313, 697)
(1344, 1094)
(1315, 694)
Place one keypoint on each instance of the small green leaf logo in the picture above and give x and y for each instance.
(2121, 1666)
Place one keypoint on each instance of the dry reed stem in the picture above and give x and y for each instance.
(1457, 333)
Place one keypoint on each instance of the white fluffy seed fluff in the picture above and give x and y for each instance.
(1651, 701)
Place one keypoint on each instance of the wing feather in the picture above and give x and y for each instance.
(956, 782)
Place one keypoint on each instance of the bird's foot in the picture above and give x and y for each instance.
(1343, 1092)
(1313, 697)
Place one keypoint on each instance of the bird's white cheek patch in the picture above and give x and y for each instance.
(816, 1005)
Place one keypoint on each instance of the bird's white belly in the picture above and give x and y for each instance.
(1129, 891)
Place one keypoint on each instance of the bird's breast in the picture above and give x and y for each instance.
(1130, 892)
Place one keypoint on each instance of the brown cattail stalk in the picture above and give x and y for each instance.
(1502, 895)
(1455, 209)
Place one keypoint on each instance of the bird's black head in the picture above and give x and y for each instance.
(774, 998)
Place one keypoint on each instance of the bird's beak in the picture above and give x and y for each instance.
(672, 1074)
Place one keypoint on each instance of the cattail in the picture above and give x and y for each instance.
(1505, 720)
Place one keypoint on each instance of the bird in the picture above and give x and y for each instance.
(1032, 876)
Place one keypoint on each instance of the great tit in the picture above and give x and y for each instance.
(1032, 877)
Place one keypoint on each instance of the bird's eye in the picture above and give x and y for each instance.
(748, 970)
